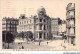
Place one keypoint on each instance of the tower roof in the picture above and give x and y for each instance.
(41, 9)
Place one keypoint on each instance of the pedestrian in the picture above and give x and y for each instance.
(22, 47)
(47, 42)
(64, 46)
(39, 43)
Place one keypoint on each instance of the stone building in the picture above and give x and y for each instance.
(55, 26)
(40, 25)
(43, 24)
(70, 26)
(25, 24)
(62, 28)
(9, 25)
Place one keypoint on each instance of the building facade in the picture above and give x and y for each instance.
(40, 25)
(43, 24)
(25, 24)
(9, 25)
(62, 28)
(54, 26)
(70, 26)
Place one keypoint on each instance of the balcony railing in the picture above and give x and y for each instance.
(68, 17)
(39, 30)
(39, 22)
(70, 8)
(71, 35)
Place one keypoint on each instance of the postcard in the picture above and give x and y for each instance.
(44, 25)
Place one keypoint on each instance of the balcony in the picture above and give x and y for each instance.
(73, 26)
(70, 17)
(70, 8)
(71, 35)
(39, 30)
(39, 22)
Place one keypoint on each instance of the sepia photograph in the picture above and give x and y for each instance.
(39, 25)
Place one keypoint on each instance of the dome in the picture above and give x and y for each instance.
(41, 9)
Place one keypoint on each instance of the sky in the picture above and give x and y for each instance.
(53, 9)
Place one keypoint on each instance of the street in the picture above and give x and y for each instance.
(52, 44)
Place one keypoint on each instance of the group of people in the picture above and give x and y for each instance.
(21, 46)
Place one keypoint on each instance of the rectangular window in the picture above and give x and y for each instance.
(40, 27)
(44, 35)
(40, 20)
(44, 27)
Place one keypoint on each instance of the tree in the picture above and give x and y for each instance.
(15, 34)
(21, 35)
(9, 38)
(28, 35)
